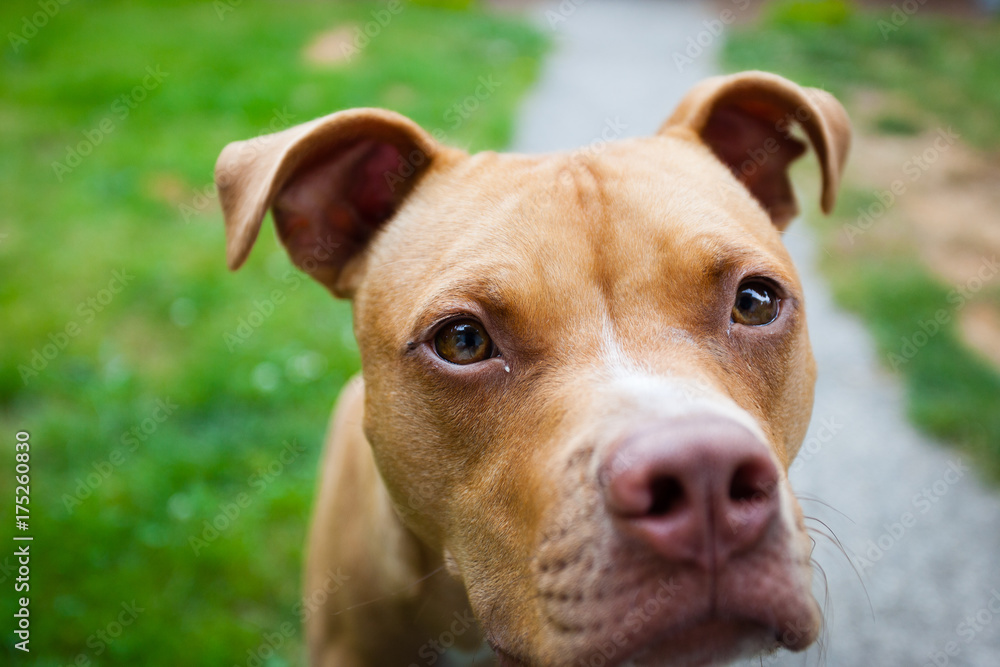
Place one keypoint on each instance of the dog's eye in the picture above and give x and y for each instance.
(463, 342)
(756, 304)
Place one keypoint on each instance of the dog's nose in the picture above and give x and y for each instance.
(699, 489)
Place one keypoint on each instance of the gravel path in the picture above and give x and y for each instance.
(922, 531)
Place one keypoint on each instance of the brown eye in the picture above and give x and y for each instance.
(463, 342)
(756, 304)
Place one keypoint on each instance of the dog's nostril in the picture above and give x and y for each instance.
(668, 495)
(751, 481)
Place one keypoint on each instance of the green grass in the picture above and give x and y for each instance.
(140, 203)
(944, 66)
(951, 392)
(943, 69)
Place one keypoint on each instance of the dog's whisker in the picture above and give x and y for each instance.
(814, 499)
(830, 532)
(833, 539)
(824, 635)
(389, 595)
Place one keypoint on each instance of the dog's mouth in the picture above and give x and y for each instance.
(710, 640)
(690, 620)
(702, 642)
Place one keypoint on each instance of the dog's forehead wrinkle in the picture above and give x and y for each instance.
(579, 228)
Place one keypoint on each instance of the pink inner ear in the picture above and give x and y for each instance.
(758, 154)
(374, 194)
(329, 211)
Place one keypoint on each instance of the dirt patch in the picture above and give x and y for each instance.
(938, 196)
(944, 194)
(167, 188)
(980, 327)
(332, 47)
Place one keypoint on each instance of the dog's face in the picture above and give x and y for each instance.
(586, 374)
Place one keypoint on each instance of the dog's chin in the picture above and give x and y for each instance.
(706, 642)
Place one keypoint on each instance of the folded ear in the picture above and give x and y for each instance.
(331, 184)
(746, 119)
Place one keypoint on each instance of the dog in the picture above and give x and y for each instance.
(584, 377)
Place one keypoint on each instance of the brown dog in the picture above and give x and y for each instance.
(584, 378)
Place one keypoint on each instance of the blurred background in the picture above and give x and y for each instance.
(177, 411)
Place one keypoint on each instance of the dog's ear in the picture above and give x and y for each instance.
(746, 119)
(331, 184)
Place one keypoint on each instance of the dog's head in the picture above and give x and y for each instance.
(586, 373)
